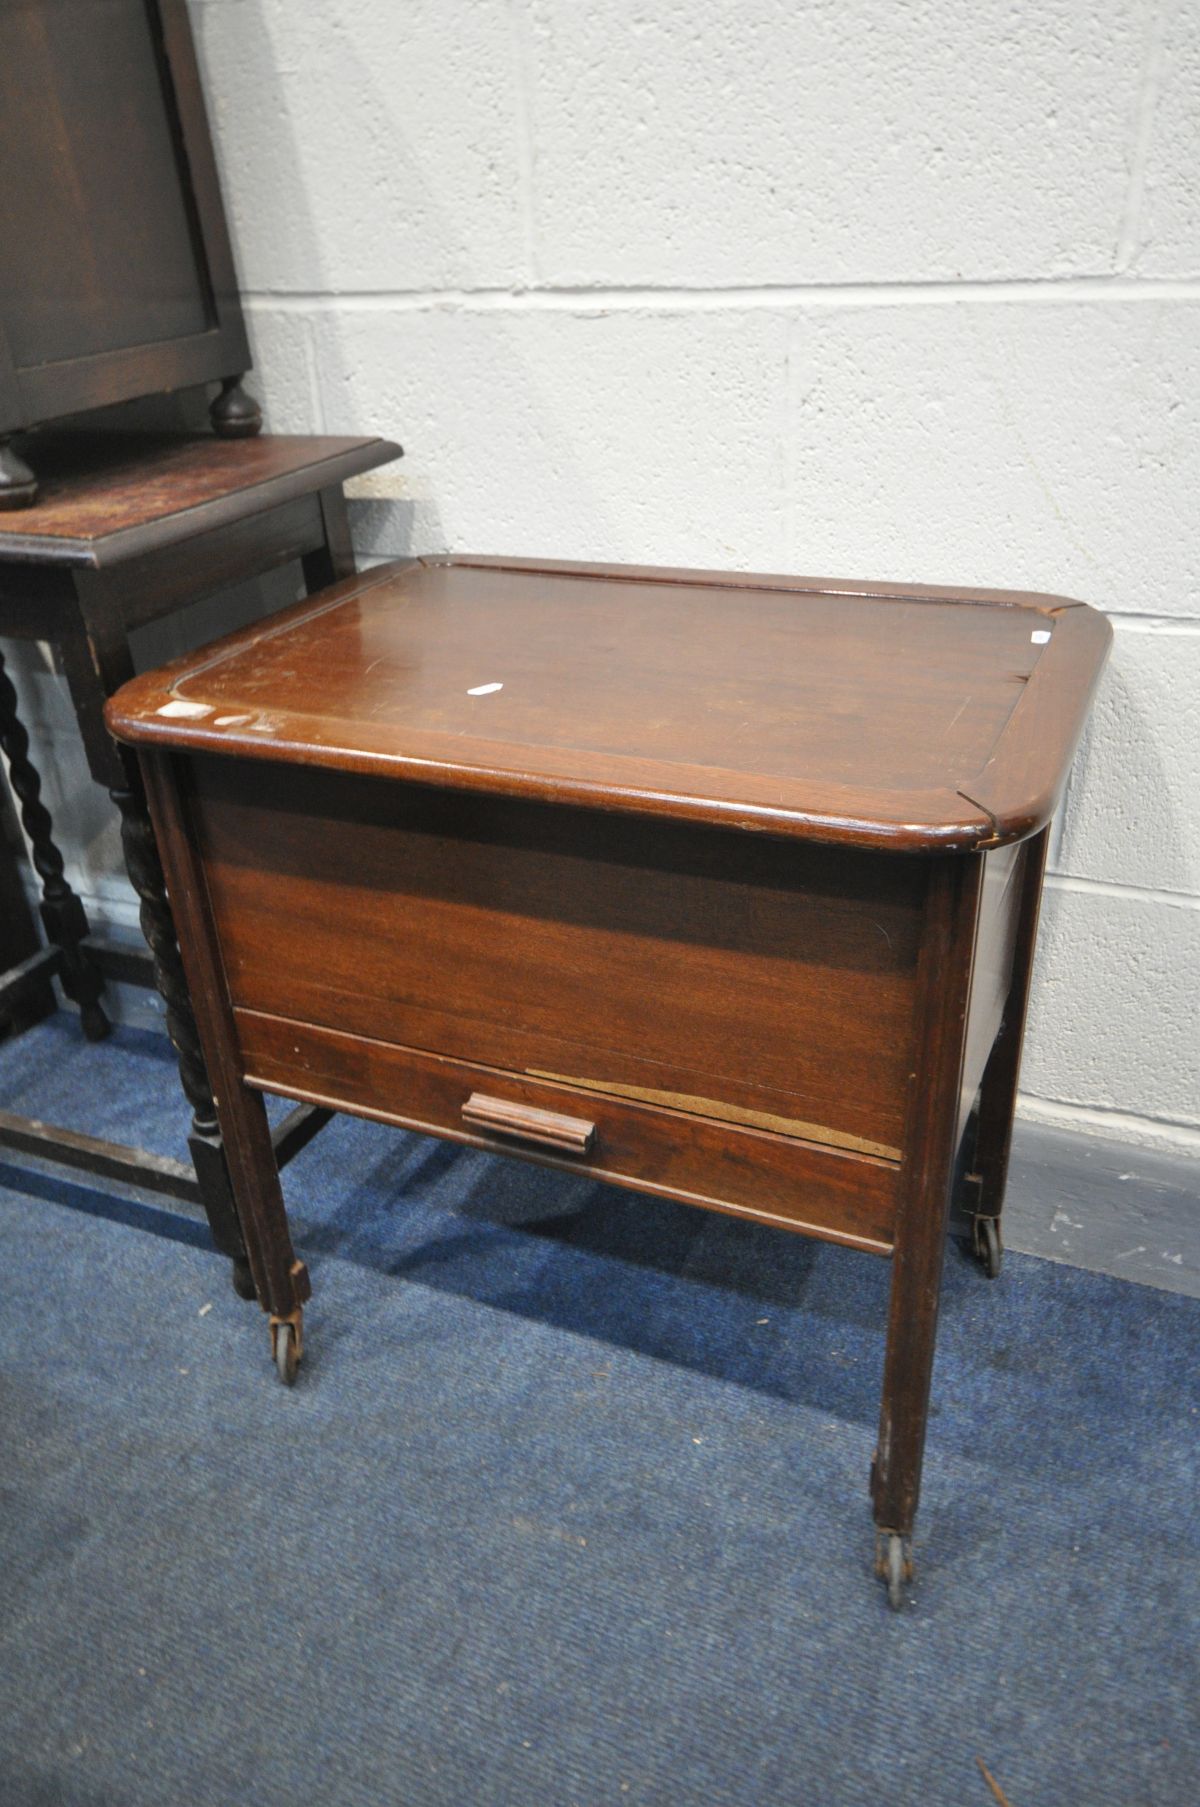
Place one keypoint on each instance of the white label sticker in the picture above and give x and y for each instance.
(485, 689)
(1040, 635)
(180, 707)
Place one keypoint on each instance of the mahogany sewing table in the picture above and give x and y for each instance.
(719, 887)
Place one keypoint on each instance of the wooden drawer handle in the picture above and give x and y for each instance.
(549, 1129)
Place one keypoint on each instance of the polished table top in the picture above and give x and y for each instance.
(875, 715)
(108, 496)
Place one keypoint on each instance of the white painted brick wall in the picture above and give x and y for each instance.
(844, 287)
(729, 141)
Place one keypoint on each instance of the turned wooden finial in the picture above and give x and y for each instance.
(18, 485)
(234, 414)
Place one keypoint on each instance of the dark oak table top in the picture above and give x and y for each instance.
(106, 497)
(874, 715)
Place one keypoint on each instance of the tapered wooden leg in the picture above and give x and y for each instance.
(62, 912)
(926, 1172)
(333, 559)
(281, 1281)
(998, 1094)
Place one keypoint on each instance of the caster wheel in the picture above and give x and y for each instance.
(895, 1574)
(243, 1280)
(894, 1563)
(988, 1247)
(287, 1353)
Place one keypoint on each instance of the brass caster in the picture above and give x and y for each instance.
(894, 1562)
(287, 1345)
(985, 1240)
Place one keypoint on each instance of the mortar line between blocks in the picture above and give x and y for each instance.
(526, 144)
(788, 449)
(315, 386)
(1129, 230)
(549, 298)
(1101, 887)
(1129, 621)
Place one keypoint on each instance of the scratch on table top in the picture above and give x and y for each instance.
(958, 714)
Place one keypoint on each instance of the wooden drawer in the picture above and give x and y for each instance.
(750, 1172)
(731, 975)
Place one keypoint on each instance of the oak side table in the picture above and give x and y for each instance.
(719, 887)
(129, 528)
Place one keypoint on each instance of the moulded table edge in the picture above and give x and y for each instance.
(108, 549)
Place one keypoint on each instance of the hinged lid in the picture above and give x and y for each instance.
(883, 716)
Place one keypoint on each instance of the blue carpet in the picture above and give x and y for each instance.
(569, 1505)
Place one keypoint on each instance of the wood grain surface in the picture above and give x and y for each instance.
(747, 975)
(825, 1192)
(864, 718)
(100, 486)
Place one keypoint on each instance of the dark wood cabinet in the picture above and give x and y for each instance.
(116, 275)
